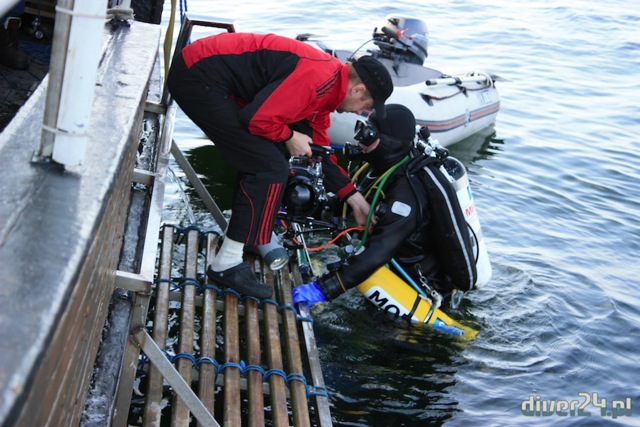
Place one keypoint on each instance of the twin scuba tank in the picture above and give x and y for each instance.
(399, 299)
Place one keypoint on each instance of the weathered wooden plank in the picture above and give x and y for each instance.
(152, 407)
(254, 378)
(207, 375)
(180, 412)
(298, 390)
(232, 414)
(277, 384)
(180, 386)
(323, 412)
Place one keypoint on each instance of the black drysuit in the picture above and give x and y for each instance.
(421, 224)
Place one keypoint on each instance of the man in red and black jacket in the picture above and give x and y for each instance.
(248, 92)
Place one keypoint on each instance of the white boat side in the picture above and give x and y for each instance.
(452, 107)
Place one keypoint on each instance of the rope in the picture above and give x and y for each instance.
(120, 13)
(180, 283)
(75, 13)
(462, 89)
(442, 98)
(202, 286)
(183, 8)
(244, 369)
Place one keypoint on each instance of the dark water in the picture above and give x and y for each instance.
(557, 190)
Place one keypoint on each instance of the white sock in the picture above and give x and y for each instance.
(229, 255)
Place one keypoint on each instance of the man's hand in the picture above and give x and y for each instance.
(360, 208)
(299, 144)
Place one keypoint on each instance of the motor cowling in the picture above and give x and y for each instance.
(413, 37)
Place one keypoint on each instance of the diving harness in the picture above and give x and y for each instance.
(424, 151)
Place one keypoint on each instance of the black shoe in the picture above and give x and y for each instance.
(240, 278)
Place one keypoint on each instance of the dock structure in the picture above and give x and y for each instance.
(235, 359)
(96, 289)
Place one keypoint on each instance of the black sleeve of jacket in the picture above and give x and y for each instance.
(389, 233)
(336, 180)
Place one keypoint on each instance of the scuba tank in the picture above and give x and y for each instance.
(458, 176)
(456, 173)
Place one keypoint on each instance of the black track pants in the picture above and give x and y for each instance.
(261, 165)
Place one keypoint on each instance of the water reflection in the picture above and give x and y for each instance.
(378, 371)
(216, 174)
(383, 373)
(480, 146)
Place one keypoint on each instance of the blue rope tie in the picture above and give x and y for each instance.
(250, 297)
(210, 286)
(208, 361)
(240, 366)
(305, 319)
(270, 301)
(233, 292)
(288, 307)
(243, 369)
(258, 368)
(316, 390)
(186, 281)
(190, 281)
(189, 356)
(296, 377)
(188, 228)
(278, 372)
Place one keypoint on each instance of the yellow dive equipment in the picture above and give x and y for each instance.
(399, 300)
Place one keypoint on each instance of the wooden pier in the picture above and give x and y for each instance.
(96, 289)
(249, 362)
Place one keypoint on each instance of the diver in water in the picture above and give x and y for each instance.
(419, 223)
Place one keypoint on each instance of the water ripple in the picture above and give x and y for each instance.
(556, 185)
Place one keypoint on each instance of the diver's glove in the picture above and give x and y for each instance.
(309, 293)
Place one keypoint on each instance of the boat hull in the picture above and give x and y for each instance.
(452, 112)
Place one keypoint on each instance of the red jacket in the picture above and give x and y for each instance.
(278, 81)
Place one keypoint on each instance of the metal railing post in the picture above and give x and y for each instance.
(72, 80)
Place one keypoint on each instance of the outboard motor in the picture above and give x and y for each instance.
(410, 41)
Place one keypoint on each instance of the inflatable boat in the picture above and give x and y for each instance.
(453, 107)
